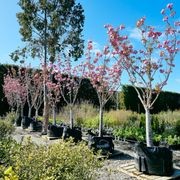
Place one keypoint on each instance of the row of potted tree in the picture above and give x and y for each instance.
(104, 69)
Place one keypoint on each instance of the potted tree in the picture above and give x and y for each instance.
(15, 92)
(53, 88)
(104, 75)
(149, 68)
(68, 79)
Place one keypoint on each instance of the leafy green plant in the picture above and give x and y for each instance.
(8, 148)
(11, 117)
(177, 127)
(6, 128)
(116, 118)
(173, 140)
(10, 174)
(63, 160)
(157, 138)
(91, 122)
(130, 132)
(119, 132)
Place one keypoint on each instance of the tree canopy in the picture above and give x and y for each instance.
(56, 24)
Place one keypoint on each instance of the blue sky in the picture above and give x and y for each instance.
(97, 14)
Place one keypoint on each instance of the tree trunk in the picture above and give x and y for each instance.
(36, 113)
(21, 110)
(149, 139)
(54, 114)
(100, 121)
(46, 111)
(46, 107)
(29, 112)
(71, 117)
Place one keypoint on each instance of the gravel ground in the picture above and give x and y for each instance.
(109, 171)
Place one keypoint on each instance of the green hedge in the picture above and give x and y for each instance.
(166, 101)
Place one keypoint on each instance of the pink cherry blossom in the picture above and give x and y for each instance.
(163, 11)
(170, 6)
(121, 27)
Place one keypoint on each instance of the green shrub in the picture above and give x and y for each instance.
(132, 118)
(116, 118)
(2, 169)
(8, 148)
(11, 117)
(177, 127)
(157, 138)
(6, 128)
(63, 160)
(130, 132)
(173, 140)
(82, 112)
(9, 174)
(91, 122)
(119, 132)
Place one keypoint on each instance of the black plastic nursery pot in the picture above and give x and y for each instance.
(25, 123)
(153, 160)
(18, 121)
(75, 133)
(174, 147)
(55, 131)
(104, 144)
(35, 125)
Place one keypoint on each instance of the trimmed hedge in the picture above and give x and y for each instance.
(166, 101)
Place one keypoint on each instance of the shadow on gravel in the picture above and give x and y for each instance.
(121, 157)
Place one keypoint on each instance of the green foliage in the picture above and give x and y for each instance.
(8, 148)
(116, 118)
(157, 138)
(177, 127)
(130, 132)
(130, 99)
(172, 140)
(83, 114)
(54, 24)
(11, 117)
(2, 169)
(163, 131)
(9, 174)
(63, 160)
(166, 101)
(91, 122)
(6, 128)
(7, 144)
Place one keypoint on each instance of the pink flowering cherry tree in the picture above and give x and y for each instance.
(150, 66)
(104, 73)
(15, 92)
(53, 95)
(69, 77)
(32, 78)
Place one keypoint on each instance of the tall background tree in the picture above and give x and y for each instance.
(49, 27)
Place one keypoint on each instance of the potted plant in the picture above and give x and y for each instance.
(144, 66)
(104, 74)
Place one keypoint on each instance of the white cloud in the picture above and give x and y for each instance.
(135, 34)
